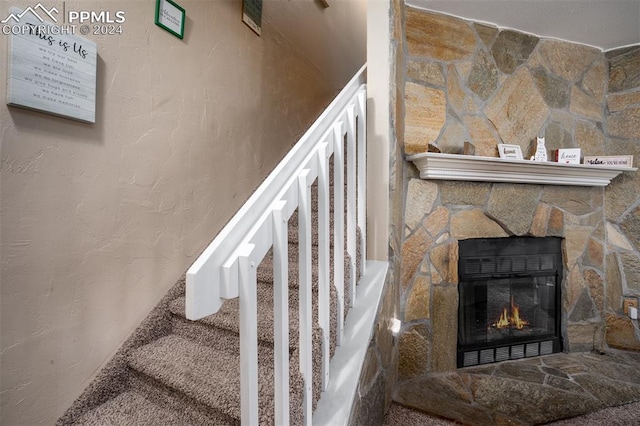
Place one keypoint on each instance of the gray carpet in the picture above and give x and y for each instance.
(403, 416)
(627, 415)
(175, 371)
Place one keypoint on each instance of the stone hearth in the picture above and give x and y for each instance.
(529, 391)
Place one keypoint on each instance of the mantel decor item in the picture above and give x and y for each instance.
(568, 156)
(513, 152)
(610, 160)
(541, 151)
(171, 17)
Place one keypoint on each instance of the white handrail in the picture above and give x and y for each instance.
(228, 267)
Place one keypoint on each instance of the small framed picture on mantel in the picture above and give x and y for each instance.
(511, 152)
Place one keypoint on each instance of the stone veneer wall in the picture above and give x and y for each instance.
(463, 81)
(622, 197)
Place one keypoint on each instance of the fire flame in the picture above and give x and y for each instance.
(513, 320)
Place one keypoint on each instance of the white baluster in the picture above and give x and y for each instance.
(338, 223)
(351, 200)
(248, 335)
(324, 299)
(281, 314)
(305, 283)
(362, 174)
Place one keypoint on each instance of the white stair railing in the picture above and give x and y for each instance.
(228, 267)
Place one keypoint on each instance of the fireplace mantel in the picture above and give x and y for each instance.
(489, 169)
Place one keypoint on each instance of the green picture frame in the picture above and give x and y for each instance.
(252, 15)
(171, 16)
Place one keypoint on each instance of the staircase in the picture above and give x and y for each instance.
(263, 303)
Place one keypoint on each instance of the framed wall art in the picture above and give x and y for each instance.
(252, 15)
(171, 17)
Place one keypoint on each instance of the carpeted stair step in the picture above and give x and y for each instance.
(314, 196)
(227, 318)
(265, 269)
(294, 235)
(132, 408)
(210, 376)
(215, 328)
(204, 333)
(229, 341)
(192, 412)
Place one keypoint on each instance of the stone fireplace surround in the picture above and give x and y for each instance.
(534, 390)
(458, 81)
(439, 214)
(459, 167)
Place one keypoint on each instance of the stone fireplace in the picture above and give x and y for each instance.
(459, 81)
(442, 215)
(509, 299)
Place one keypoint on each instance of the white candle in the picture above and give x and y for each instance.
(633, 312)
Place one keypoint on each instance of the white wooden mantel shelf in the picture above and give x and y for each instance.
(489, 169)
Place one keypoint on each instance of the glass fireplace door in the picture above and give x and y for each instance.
(509, 305)
(507, 309)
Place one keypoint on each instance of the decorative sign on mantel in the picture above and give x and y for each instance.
(568, 155)
(610, 161)
(51, 70)
(510, 151)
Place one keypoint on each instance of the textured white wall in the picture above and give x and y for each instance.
(98, 221)
(334, 38)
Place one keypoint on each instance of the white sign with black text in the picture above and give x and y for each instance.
(610, 160)
(568, 155)
(510, 152)
(51, 70)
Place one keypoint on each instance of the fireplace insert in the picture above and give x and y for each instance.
(509, 305)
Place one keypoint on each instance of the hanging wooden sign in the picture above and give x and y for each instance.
(51, 70)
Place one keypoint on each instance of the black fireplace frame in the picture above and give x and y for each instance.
(478, 250)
